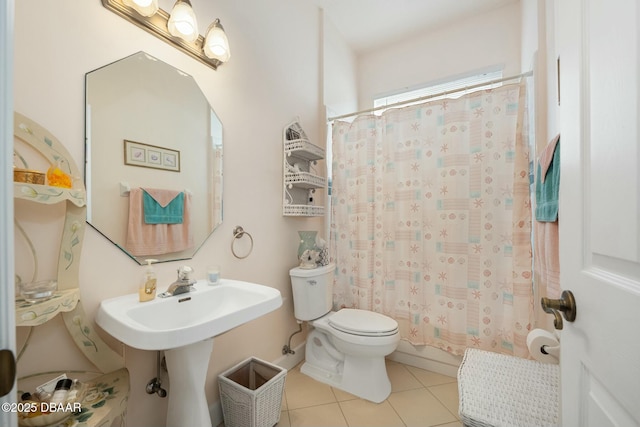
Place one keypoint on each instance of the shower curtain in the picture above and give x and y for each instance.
(431, 220)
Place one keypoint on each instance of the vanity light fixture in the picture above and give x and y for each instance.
(143, 7)
(179, 28)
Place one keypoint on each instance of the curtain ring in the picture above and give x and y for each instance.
(238, 233)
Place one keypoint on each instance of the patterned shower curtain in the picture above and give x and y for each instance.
(431, 220)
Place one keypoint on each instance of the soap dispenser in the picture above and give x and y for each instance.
(147, 290)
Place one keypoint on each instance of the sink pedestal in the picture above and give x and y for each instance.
(186, 324)
(187, 368)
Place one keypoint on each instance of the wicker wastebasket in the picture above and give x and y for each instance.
(251, 393)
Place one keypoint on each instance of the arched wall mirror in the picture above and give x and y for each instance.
(151, 135)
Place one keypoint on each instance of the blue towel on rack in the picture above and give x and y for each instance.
(548, 182)
(163, 206)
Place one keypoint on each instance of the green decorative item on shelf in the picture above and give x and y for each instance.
(307, 241)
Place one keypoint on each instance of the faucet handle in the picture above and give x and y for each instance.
(184, 272)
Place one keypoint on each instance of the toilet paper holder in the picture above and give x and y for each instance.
(566, 304)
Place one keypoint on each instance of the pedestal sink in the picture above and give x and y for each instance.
(184, 326)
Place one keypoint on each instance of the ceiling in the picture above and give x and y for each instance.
(367, 24)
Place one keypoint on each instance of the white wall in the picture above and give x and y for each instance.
(539, 53)
(273, 76)
(474, 44)
(551, 70)
(340, 73)
(530, 33)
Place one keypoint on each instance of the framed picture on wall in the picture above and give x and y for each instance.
(151, 156)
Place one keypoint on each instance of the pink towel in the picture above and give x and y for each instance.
(156, 239)
(547, 156)
(547, 258)
(547, 246)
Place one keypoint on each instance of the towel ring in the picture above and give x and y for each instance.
(238, 233)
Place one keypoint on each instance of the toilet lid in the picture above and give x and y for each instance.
(362, 322)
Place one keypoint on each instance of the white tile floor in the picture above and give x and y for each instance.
(418, 398)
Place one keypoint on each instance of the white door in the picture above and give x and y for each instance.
(598, 45)
(7, 305)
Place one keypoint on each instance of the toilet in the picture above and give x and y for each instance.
(345, 348)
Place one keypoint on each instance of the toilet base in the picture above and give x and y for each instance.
(363, 377)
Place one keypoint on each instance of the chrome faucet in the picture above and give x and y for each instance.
(183, 285)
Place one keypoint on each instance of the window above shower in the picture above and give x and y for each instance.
(446, 88)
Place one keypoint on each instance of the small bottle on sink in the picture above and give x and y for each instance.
(147, 290)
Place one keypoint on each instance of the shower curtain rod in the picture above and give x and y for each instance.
(435, 95)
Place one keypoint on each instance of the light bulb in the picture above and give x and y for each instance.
(216, 44)
(143, 7)
(182, 22)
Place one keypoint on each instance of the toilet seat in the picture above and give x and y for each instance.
(363, 323)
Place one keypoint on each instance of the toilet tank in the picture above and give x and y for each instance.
(312, 291)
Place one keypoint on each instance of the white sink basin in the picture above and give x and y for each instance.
(184, 326)
(184, 319)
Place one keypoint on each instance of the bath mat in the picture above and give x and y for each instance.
(497, 390)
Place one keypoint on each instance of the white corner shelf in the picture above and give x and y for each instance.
(299, 180)
(47, 194)
(34, 314)
(303, 149)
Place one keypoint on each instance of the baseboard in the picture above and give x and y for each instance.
(288, 361)
(428, 358)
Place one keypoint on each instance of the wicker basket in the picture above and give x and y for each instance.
(28, 176)
(294, 131)
(251, 394)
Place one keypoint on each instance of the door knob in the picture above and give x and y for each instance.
(566, 304)
(7, 371)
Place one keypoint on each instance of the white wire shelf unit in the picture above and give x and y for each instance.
(301, 182)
